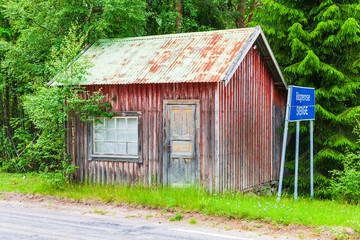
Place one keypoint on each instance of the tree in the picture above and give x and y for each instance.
(240, 11)
(317, 45)
(49, 108)
(172, 16)
(29, 30)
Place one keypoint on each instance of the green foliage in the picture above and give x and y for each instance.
(49, 108)
(345, 183)
(193, 221)
(317, 45)
(37, 42)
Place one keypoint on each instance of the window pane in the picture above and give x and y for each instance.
(99, 125)
(121, 136)
(110, 135)
(110, 123)
(132, 148)
(132, 136)
(121, 123)
(99, 147)
(132, 123)
(109, 147)
(99, 135)
(121, 148)
(118, 135)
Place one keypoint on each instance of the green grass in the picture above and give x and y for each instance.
(193, 221)
(239, 206)
(177, 217)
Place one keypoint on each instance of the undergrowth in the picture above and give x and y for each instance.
(305, 211)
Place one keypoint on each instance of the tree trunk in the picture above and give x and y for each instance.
(179, 16)
(240, 21)
(7, 109)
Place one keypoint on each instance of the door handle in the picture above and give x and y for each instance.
(169, 147)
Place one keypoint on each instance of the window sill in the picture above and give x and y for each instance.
(115, 158)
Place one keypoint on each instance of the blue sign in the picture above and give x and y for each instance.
(302, 103)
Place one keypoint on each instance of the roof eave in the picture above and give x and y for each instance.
(259, 38)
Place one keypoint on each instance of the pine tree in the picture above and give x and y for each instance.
(317, 44)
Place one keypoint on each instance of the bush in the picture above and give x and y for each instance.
(345, 184)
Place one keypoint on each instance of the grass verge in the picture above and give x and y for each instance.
(305, 211)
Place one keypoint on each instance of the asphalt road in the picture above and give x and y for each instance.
(31, 223)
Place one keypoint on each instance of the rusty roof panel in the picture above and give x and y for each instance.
(175, 58)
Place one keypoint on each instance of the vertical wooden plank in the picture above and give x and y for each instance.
(243, 122)
(223, 135)
(226, 138)
(262, 94)
(236, 135)
(158, 136)
(255, 122)
(217, 138)
(203, 140)
(236, 132)
(150, 131)
(154, 129)
(211, 101)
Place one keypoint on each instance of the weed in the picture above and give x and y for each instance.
(227, 228)
(192, 221)
(148, 216)
(259, 225)
(178, 216)
(153, 179)
(130, 216)
(102, 212)
(340, 235)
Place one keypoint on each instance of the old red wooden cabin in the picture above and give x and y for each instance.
(194, 107)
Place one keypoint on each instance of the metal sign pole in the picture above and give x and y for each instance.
(311, 158)
(284, 144)
(282, 160)
(296, 160)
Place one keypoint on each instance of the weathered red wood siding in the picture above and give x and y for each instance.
(250, 113)
(250, 118)
(148, 99)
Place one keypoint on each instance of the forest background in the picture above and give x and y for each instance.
(316, 43)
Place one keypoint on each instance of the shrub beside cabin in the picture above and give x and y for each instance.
(194, 107)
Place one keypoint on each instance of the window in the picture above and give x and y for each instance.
(116, 138)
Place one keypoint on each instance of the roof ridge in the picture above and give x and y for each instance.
(179, 35)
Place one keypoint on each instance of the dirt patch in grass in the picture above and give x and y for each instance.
(121, 210)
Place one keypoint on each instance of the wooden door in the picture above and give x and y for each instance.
(181, 163)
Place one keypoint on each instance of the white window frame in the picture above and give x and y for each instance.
(113, 156)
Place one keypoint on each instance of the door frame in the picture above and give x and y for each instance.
(166, 152)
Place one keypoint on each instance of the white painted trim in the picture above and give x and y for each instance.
(245, 49)
(242, 53)
(273, 57)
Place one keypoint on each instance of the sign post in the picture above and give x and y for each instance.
(300, 106)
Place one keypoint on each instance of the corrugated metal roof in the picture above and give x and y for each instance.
(175, 58)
